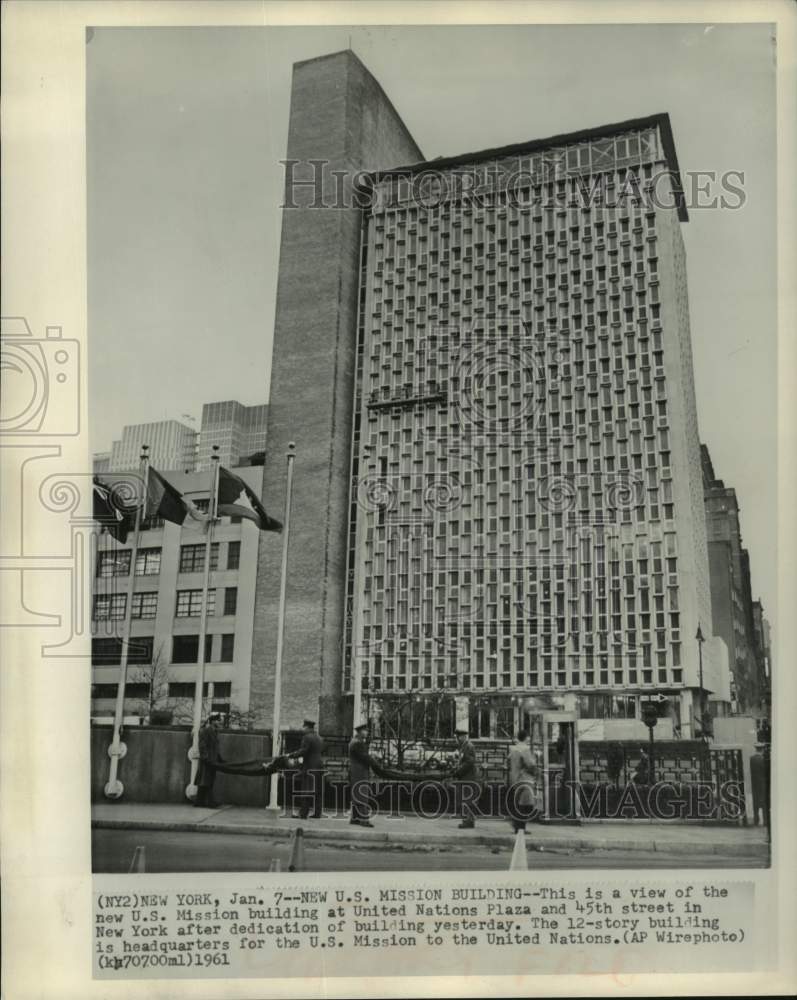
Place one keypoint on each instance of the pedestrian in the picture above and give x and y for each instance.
(523, 793)
(209, 757)
(311, 772)
(467, 777)
(642, 774)
(758, 784)
(360, 763)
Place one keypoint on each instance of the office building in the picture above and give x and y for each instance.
(166, 609)
(172, 445)
(499, 499)
(731, 591)
(238, 431)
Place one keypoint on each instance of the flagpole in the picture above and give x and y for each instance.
(114, 789)
(193, 753)
(290, 457)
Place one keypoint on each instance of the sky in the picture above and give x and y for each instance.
(186, 128)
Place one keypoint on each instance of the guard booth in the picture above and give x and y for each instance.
(554, 743)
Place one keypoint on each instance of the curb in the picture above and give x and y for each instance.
(367, 838)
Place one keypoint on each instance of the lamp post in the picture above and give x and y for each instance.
(700, 640)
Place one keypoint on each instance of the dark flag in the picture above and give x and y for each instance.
(236, 499)
(163, 500)
(116, 517)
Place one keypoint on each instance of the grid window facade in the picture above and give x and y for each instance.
(230, 600)
(145, 604)
(114, 563)
(148, 562)
(192, 558)
(189, 603)
(233, 555)
(185, 648)
(514, 411)
(110, 607)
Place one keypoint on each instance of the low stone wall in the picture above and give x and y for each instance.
(156, 767)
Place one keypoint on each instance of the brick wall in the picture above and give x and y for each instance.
(340, 114)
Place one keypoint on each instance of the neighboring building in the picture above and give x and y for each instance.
(238, 431)
(172, 445)
(528, 526)
(731, 593)
(763, 643)
(167, 603)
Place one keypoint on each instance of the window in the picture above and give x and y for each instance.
(104, 690)
(187, 689)
(140, 649)
(116, 563)
(185, 648)
(192, 558)
(108, 652)
(227, 648)
(230, 600)
(145, 604)
(148, 562)
(189, 603)
(233, 555)
(110, 607)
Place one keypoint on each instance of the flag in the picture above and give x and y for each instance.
(115, 516)
(163, 500)
(239, 500)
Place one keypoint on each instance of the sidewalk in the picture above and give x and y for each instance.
(413, 832)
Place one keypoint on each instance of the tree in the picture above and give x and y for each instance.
(158, 707)
(410, 720)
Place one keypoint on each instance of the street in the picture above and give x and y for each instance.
(172, 851)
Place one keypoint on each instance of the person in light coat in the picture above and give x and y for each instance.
(524, 799)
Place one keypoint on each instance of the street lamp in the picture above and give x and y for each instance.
(700, 640)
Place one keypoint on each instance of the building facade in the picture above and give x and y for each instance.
(731, 592)
(528, 428)
(172, 445)
(499, 497)
(238, 431)
(166, 609)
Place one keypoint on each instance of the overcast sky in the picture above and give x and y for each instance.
(186, 128)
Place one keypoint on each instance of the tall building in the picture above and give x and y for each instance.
(238, 431)
(101, 462)
(166, 609)
(172, 445)
(763, 643)
(497, 360)
(341, 115)
(731, 593)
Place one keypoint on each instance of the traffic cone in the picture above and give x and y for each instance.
(519, 862)
(296, 862)
(139, 862)
(275, 866)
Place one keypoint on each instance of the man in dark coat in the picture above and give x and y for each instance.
(310, 785)
(209, 757)
(360, 763)
(467, 775)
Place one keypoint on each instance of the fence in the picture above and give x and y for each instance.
(156, 766)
